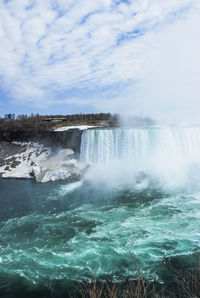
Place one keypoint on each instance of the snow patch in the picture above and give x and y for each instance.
(80, 127)
(35, 160)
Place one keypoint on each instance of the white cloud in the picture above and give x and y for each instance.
(53, 47)
(169, 86)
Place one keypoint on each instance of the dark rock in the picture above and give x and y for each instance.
(32, 174)
(66, 139)
(8, 149)
(15, 163)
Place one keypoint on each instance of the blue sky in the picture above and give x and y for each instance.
(72, 56)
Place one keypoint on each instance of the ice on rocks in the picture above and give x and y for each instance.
(35, 160)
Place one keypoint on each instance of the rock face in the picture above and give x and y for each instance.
(7, 150)
(59, 166)
(42, 155)
(67, 171)
(33, 160)
(65, 139)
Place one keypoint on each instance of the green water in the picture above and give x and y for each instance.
(53, 232)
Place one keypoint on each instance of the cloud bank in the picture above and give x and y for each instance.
(114, 55)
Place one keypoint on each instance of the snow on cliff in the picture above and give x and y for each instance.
(35, 160)
(81, 127)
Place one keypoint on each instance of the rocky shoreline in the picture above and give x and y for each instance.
(45, 156)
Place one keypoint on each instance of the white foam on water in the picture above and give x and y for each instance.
(70, 187)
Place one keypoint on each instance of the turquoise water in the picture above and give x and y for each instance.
(140, 197)
(58, 232)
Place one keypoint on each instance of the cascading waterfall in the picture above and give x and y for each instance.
(161, 150)
(140, 196)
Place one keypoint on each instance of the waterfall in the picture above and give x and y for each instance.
(140, 144)
(151, 149)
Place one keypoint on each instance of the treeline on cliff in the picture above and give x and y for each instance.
(45, 122)
(26, 125)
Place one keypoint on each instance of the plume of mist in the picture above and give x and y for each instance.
(150, 156)
(135, 121)
(167, 88)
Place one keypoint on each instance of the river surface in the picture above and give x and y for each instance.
(58, 232)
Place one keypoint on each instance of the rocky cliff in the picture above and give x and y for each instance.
(43, 155)
(54, 139)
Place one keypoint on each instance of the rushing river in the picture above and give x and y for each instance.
(58, 232)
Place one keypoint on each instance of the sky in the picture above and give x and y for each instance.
(139, 57)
